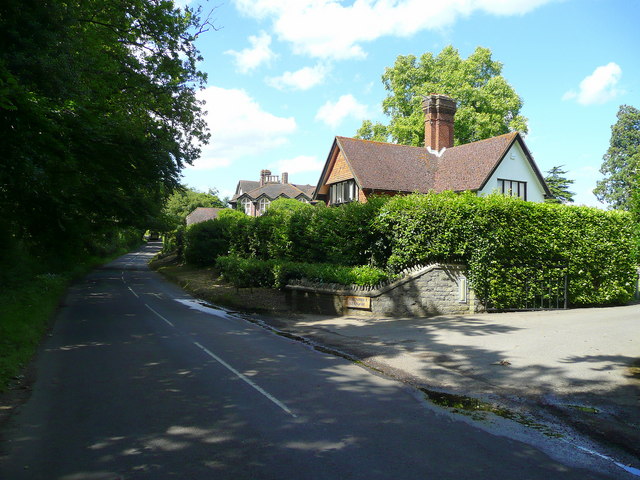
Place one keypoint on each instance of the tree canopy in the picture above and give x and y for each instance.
(98, 114)
(621, 163)
(185, 200)
(559, 185)
(487, 104)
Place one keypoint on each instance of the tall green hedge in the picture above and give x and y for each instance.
(496, 235)
(498, 238)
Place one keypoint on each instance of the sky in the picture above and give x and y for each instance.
(287, 76)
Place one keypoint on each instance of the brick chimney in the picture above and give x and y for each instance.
(285, 177)
(439, 111)
(264, 176)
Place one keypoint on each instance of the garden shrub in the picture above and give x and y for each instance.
(206, 241)
(253, 272)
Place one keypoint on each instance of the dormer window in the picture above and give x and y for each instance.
(263, 205)
(246, 205)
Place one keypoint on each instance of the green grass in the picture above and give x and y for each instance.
(24, 317)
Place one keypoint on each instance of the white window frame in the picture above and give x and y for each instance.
(246, 205)
(263, 205)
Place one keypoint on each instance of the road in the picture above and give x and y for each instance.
(138, 381)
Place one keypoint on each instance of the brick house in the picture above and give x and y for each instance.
(255, 197)
(356, 169)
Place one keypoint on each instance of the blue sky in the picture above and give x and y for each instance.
(286, 76)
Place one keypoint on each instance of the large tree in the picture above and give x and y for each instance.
(559, 185)
(98, 114)
(487, 104)
(621, 163)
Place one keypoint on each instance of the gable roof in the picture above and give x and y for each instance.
(391, 167)
(274, 190)
(387, 166)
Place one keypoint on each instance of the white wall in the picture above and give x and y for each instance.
(515, 166)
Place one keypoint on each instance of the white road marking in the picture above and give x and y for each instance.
(131, 289)
(170, 324)
(246, 379)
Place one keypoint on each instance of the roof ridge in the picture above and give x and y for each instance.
(377, 142)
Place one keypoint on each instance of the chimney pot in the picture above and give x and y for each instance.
(439, 111)
(264, 174)
(285, 177)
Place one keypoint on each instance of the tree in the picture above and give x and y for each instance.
(185, 200)
(559, 185)
(373, 131)
(487, 104)
(98, 116)
(621, 163)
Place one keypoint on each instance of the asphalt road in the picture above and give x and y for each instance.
(137, 382)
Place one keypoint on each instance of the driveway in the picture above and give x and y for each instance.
(575, 367)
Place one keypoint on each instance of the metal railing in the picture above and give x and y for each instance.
(529, 287)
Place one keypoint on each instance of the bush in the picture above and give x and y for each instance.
(205, 241)
(252, 272)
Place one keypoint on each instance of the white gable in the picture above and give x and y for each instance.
(515, 167)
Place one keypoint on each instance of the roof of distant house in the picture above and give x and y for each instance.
(202, 214)
(272, 191)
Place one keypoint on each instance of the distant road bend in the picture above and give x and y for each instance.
(137, 381)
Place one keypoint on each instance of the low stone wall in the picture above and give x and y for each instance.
(424, 291)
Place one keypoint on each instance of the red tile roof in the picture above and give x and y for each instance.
(467, 167)
(387, 166)
(391, 167)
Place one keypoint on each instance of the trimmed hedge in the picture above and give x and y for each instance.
(495, 236)
(252, 272)
(498, 238)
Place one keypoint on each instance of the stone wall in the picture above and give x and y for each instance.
(423, 291)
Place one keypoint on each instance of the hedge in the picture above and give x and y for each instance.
(498, 238)
(495, 236)
(252, 272)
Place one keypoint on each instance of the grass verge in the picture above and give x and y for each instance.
(26, 309)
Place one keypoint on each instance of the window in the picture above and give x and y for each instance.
(246, 205)
(343, 192)
(513, 188)
(263, 204)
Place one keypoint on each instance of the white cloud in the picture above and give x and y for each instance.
(333, 113)
(251, 58)
(301, 163)
(239, 128)
(331, 29)
(599, 87)
(302, 79)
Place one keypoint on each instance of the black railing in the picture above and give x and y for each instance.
(528, 287)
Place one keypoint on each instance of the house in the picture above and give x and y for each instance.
(255, 197)
(356, 169)
(202, 214)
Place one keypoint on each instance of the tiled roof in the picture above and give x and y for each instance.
(467, 167)
(202, 214)
(392, 167)
(244, 186)
(387, 166)
(274, 190)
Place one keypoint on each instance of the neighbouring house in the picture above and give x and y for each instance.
(254, 197)
(202, 214)
(356, 169)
